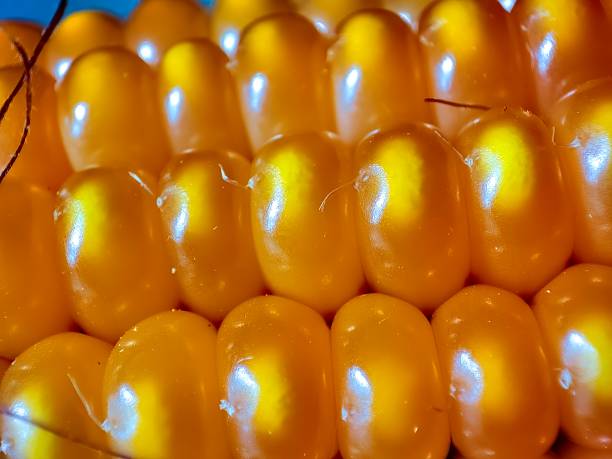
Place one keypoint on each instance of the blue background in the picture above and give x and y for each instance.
(40, 11)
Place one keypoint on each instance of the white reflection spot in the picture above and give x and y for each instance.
(79, 115)
(357, 406)
(17, 433)
(565, 379)
(580, 357)
(4, 446)
(489, 189)
(147, 52)
(596, 157)
(226, 406)
(80, 111)
(274, 210)
(321, 26)
(122, 414)
(467, 378)
(377, 209)
(351, 83)
(140, 182)
(357, 376)
(229, 41)
(242, 400)
(75, 238)
(546, 52)
(173, 104)
(179, 225)
(406, 17)
(20, 409)
(61, 68)
(127, 396)
(507, 4)
(257, 91)
(490, 186)
(243, 391)
(446, 72)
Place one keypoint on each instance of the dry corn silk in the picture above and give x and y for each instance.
(307, 229)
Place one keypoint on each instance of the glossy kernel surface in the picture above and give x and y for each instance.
(33, 304)
(276, 383)
(367, 98)
(411, 222)
(230, 17)
(390, 401)
(160, 390)
(468, 47)
(207, 220)
(575, 315)
(501, 394)
(109, 115)
(26, 33)
(43, 159)
(583, 134)
(302, 220)
(283, 84)
(518, 212)
(52, 385)
(76, 34)
(409, 10)
(326, 16)
(155, 25)
(112, 244)
(568, 43)
(199, 100)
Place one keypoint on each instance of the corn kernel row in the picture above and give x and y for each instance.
(269, 384)
(465, 50)
(515, 205)
(406, 212)
(494, 204)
